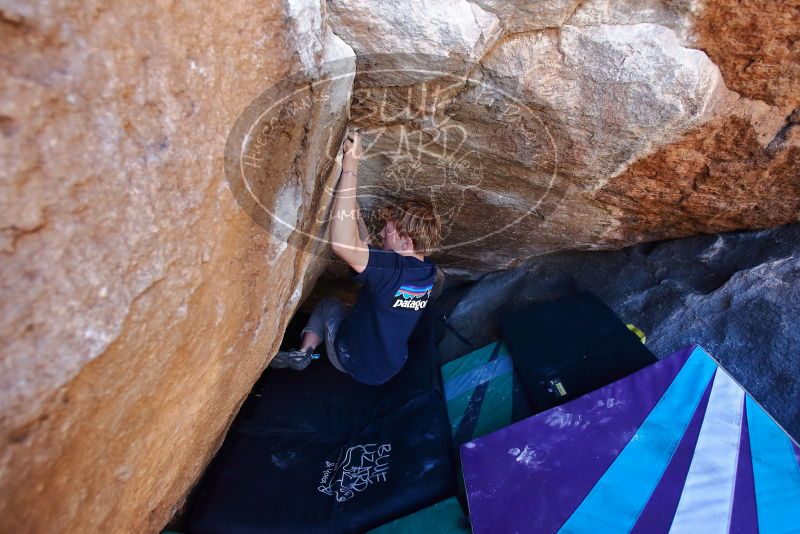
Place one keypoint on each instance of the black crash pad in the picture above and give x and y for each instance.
(567, 347)
(315, 451)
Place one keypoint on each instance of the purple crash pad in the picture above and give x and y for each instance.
(668, 447)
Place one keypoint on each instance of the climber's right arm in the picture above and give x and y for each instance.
(363, 231)
(345, 240)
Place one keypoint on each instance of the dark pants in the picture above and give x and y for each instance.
(324, 322)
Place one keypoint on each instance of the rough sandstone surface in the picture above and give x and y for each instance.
(139, 301)
(585, 125)
(756, 44)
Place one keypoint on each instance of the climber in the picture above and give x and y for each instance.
(369, 342)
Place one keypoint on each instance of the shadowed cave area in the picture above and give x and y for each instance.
(708, 290)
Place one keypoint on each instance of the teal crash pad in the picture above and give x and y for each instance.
(444, 517)
(483, 393)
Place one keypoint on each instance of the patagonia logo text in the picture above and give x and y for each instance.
(412, 297)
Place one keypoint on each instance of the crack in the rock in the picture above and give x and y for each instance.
(14, 20)
(496, 44)
(777, 142)
(574, 10)
(17, 233)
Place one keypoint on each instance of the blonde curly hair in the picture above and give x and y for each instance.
(415, 219)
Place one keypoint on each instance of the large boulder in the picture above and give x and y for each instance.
(167, 173)
(139, 301)
(577, 125)
(736, 294)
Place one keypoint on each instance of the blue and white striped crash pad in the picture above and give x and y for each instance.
(675, 447)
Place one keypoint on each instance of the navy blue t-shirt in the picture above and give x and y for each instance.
(372, 342)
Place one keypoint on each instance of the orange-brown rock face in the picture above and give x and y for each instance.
(756, 44)
(719, 177)
(742, 168)
(139, 301)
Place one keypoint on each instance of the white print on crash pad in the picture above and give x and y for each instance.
(361, 466)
